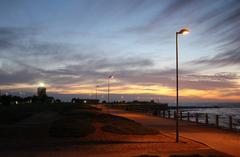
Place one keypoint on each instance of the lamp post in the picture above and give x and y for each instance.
(183, 31)
(97, 91)
(109, 77)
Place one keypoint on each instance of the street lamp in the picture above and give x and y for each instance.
(97, 91)
(109, 77)
(183, 31)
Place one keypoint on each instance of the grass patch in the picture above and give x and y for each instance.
(74, 120)
(8, 116)
(120, 125)
(14, 113)
(71, 127)
(77, 121)
(17, 112)
(81, 113)
(80, 123)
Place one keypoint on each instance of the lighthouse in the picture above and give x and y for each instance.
(41, 90)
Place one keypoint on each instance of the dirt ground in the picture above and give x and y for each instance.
(102, 144)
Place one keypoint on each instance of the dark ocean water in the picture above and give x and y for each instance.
(224, 110)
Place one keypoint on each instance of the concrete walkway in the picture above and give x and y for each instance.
(220, 140)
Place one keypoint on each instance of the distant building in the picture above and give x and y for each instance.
(152, 102)
(147, 105)
(41, 91)
(85, 101)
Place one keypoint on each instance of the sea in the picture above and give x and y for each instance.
(223, 110)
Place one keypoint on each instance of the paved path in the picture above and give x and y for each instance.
(220, 140)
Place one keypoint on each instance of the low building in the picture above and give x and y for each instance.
(85, 101)
(146, 105)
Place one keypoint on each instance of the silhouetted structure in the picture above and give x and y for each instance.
(146, 105)
(85, 101)
(136, 102)
(41, 91)
(7, 100)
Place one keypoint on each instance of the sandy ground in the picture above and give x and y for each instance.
(111, 145)
(102, 144)
(106, 150)
(220, 140)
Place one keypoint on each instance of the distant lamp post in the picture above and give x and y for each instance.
(97, 91)
(109, 77)
(183, 31)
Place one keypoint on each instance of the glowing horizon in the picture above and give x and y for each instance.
(156, 90)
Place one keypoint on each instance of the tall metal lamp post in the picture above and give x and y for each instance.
(97, 91)
(109, 77)
(183, 31)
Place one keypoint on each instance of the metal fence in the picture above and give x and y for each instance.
(218, 121)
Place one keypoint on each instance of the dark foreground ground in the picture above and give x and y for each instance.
(78, 130)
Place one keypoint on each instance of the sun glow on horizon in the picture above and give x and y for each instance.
(41, 84)
(121, 88)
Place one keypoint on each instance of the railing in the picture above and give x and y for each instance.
(201, 118)
(220, 121)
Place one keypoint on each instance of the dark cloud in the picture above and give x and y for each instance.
(11, 36)
(222, 25)
(23, 41)
(7, 37)
(231, 93)
(135, 72)
(86, 71)
(228, 14)
(94, 69)
(174, 8)
(216, 77)
(171, 11)
(187, 79)
(85, 74)
(33, 55)
(223, 59)
(21, 46)
(23, 76)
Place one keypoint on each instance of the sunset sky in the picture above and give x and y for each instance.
(74, 45)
